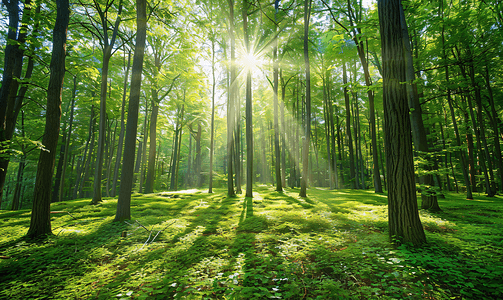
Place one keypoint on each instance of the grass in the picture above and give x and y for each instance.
(195, 245)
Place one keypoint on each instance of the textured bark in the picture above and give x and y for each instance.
(40, 217)
(307, 122)
(404, 223)
(10, 99)
(123, 211)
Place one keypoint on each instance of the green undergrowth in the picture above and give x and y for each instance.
(195, 245)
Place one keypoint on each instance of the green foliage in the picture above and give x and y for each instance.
(195, 245)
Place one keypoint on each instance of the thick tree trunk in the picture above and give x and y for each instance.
(404, 223)
(40, 217)
(124, 202)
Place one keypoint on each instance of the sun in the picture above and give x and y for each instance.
(251, 62)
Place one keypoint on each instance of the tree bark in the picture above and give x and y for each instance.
(404, 223)
(40, 217)
(124, 202)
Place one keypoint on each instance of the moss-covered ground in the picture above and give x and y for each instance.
(195, 245)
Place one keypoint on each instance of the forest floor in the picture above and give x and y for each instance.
(195, 245)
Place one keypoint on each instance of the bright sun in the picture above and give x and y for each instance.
(251, 62)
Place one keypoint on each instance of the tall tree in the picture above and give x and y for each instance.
(231, 105)
(277, 152)
(307, 122)
(108, 45)
(428, 194)
(40, 217)
(404, 223)
(120, 144)
(123, 211)
(248, 108)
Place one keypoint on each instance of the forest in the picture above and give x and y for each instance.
(251, 149)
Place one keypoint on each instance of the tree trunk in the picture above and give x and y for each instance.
(149, 184)
(124, 202)
(307, 138)
(40, 217)
(67, 144)
(404, 223)
(84, 167)
(198, 156)
(279, 183)
(123, 125)
(107, 54)
(349, 138)
(428, 195)
(249, 112)
(212, 137)
(494, 124)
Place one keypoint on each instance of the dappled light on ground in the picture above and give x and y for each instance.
(195, 245)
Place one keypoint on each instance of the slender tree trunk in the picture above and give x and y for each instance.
(249, 112)
(277, 151)
(81, 168)
(404, 223)
(428, 195)
(198, 156)
(349, 138)
(123, 127)
(212, 137)
(494, 124)
(107, 54)
(40, 217)
(231, 106)
(307, 139)
(124, 202)
(144, 149)
(68, 138)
